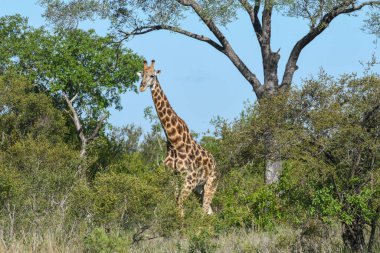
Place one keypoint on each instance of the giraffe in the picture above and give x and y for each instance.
(195, 164)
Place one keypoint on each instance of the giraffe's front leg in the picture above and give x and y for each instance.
(169, 161)
(188, 186)
(208, 194)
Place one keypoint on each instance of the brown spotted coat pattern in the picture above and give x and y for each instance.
(184, 155)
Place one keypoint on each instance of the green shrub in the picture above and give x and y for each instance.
(201, 241)
(48, 167)
(99, 241)
(133, 199)
(80, 201)
(232, 200)
(12, 186)
(266, 207)
(123, 198)
(37, 178)
(28, 112)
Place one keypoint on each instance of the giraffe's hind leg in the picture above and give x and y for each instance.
(208, 194)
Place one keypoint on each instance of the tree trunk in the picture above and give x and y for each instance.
(83, 148)
(353, 237)
(272, 171)
(273, 162)
(78, 126)
(373, 231)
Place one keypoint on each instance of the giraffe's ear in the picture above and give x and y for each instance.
(139, 74)
(158, 72)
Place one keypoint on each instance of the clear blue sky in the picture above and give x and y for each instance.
(201, 83)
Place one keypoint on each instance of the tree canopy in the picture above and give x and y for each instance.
(87, 71)
(129, 18)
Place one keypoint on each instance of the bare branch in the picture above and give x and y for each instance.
(74, 114)
(252, 12)
(77, 124)
(207, 20)
(244, 70)
(147, 29)
(223, 47)
(310, 16)
(345, 8)
(319, 13)
(97, 128)
(267, 21)
(139, 235)
(227, 48)
(72, 100)
(270, 58)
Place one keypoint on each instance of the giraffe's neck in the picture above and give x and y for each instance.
(175, 128)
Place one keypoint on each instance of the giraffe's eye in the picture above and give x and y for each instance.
(152, 76)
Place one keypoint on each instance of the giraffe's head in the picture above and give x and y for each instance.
(149, 76)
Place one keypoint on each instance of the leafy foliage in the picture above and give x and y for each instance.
(25, 112)
(99, 241)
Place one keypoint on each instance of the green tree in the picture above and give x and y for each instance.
(331, 137)
(26, 112)
(86, 71)
(11, 33)
(130, 18)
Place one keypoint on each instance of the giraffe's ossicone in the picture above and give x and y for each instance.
(195, 164)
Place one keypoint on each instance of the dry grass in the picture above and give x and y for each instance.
(49, 237)
(281, 240)
(47, 242)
